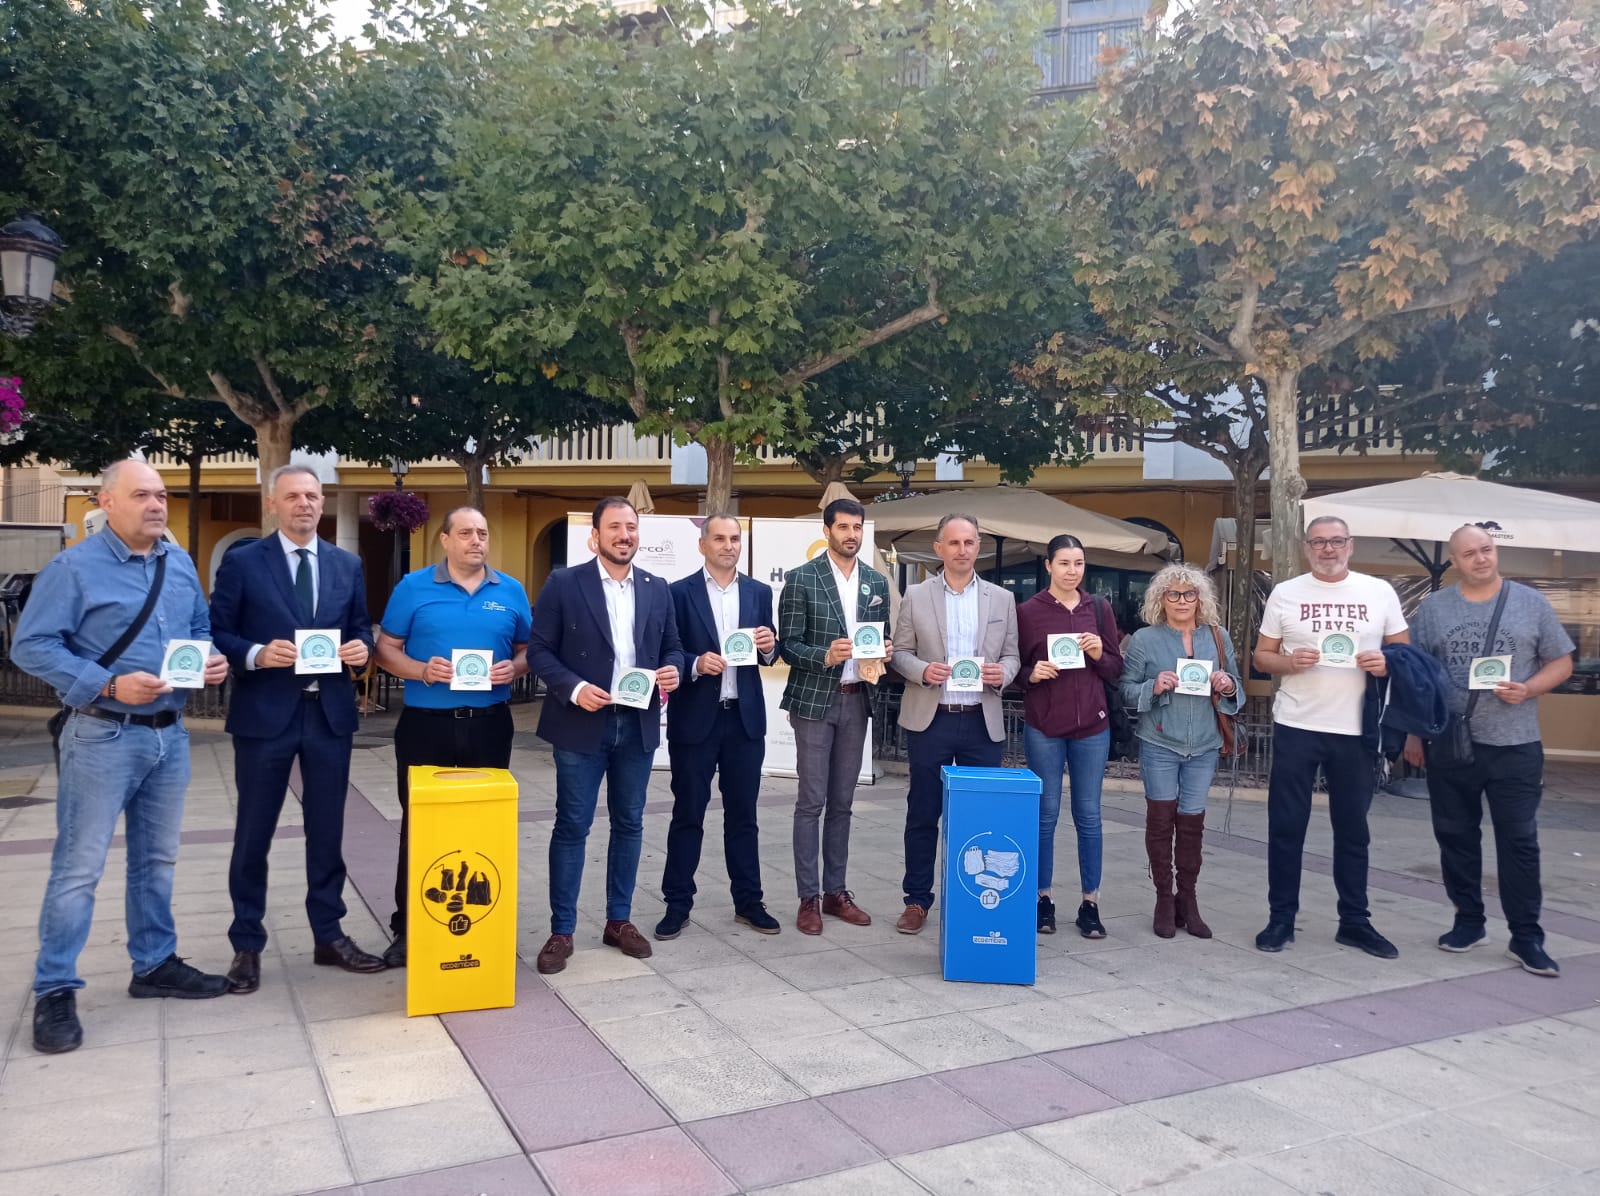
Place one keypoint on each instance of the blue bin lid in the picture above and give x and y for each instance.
(990, 780)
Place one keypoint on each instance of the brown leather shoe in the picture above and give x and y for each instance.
(911, 921)
(245, 974)
(626, 938)
(809, 920)
(554, 954)
(343, 953)
(842, 906)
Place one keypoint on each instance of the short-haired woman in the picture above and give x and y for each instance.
(1179, 740)
(1066, 719)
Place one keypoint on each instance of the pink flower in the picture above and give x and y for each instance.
(397, 510)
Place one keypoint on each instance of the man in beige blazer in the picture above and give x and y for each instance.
(946, 621)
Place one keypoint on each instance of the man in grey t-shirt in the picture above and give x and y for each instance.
(1531, 655)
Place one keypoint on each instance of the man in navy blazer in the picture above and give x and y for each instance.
(601, 628)
(717, 724)
(266, 591)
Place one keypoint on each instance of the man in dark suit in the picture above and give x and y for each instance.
(717, 724)
(266, 591)
(823, 602)
(600, 628)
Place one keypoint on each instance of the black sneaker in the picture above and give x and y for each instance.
(757, 919)
(1047, 916)
(174, 978)
(1089, 921)
(671, 925)
(1275, 937)
(55, 1023)
(1461, 937)
(1532, 958)
(1362, 936)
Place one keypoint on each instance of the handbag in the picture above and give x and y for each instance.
(1235, 739)
(1124, 737)
(1453, 749)
(57, 723)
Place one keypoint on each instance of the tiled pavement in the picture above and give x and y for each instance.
(843, 1064)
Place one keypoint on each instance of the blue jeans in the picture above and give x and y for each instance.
(624, 765)
(1169, 776)
(1084, 760)
(107, 770)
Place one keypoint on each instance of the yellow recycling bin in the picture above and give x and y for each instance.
(461, 912)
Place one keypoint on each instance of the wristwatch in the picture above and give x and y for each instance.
(111, 689)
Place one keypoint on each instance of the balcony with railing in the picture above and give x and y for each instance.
(1069, 57)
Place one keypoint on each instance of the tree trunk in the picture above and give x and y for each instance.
(719, 474)
(196, 457)
(1241, 587)
(473, 468)
(1283, 436)
(274, 442)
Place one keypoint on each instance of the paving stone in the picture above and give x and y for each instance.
(834, 1062)
(762, 1021)
(781, 1144)
(1007, 1163)
(529, 1058)
(1465, 1155)
(825, 970)
(376, 1034)
(36, 1135)
(1132, 1070)
(1049, 1028)
(730, 982)
(1354, 1167)
(1422, 1078)
(210, 1107)
(660, 1037)
(1555, 1130)
(635, 996)
(1023, 1092)
(1336, 1099)
(390, 1142)
(1125, 1150)
(875, 1179)
(513, 1176)
(947, 1040)
(912, 1115)
(260, 1162)
(1225, 1051)
(729, 1082)
(880, 1002)
(363, 1083)
(578, 1109)
(1234, 1121)
(130, 1173)
(1308, 1033)
(663, 1162)
(1581, 1094)
(43, 1079)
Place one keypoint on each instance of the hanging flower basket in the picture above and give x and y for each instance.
(397, 510)
(12, 409)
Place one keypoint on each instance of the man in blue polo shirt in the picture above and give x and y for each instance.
(459, 604)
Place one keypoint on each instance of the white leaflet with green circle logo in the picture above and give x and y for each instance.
(184, 664)
(966, 674)
(1194, 676)
(317, 651)
(469, 669)
(634, 688)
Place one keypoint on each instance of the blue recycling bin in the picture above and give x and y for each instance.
(987, 933)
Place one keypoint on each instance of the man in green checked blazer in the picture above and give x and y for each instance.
(822, 604)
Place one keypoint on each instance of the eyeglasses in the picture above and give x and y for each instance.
(1330, 542)
(1182, 595)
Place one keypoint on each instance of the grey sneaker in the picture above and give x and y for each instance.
(1533, 959)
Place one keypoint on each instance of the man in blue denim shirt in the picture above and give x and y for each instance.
(124, 750)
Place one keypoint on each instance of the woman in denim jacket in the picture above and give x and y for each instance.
(1178, 736)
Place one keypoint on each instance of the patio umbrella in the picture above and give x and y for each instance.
(639, 497)
(834, 492)
(1539, 534)
(1019, 521)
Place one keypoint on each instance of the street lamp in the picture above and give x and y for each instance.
(29, 251)
(401, 557)
(907, 469)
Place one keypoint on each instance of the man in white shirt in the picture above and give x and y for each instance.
(717, 727)
(601, 628)
(1323, 633)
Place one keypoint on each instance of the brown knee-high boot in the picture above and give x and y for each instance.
(1158, 817)
(1191, 831)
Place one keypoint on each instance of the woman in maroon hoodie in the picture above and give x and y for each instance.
(1066, 717)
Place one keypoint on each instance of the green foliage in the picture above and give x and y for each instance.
(699, 223)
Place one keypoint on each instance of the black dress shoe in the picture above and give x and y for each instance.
(343, 953)
(1275, 937)
(245, 974)
(55, 1023)
(394, 955)
(174, 978)
(757, 919)
(1363, 937)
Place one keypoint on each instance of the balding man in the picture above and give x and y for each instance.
(951, 617)
(1507, 764)
(96, 628)
(1316, 724)
(458, 604)
(266, 591)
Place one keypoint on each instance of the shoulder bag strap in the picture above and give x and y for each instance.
(140, 619)
(1488, 642)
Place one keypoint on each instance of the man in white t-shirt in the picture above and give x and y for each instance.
(1323, 633)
